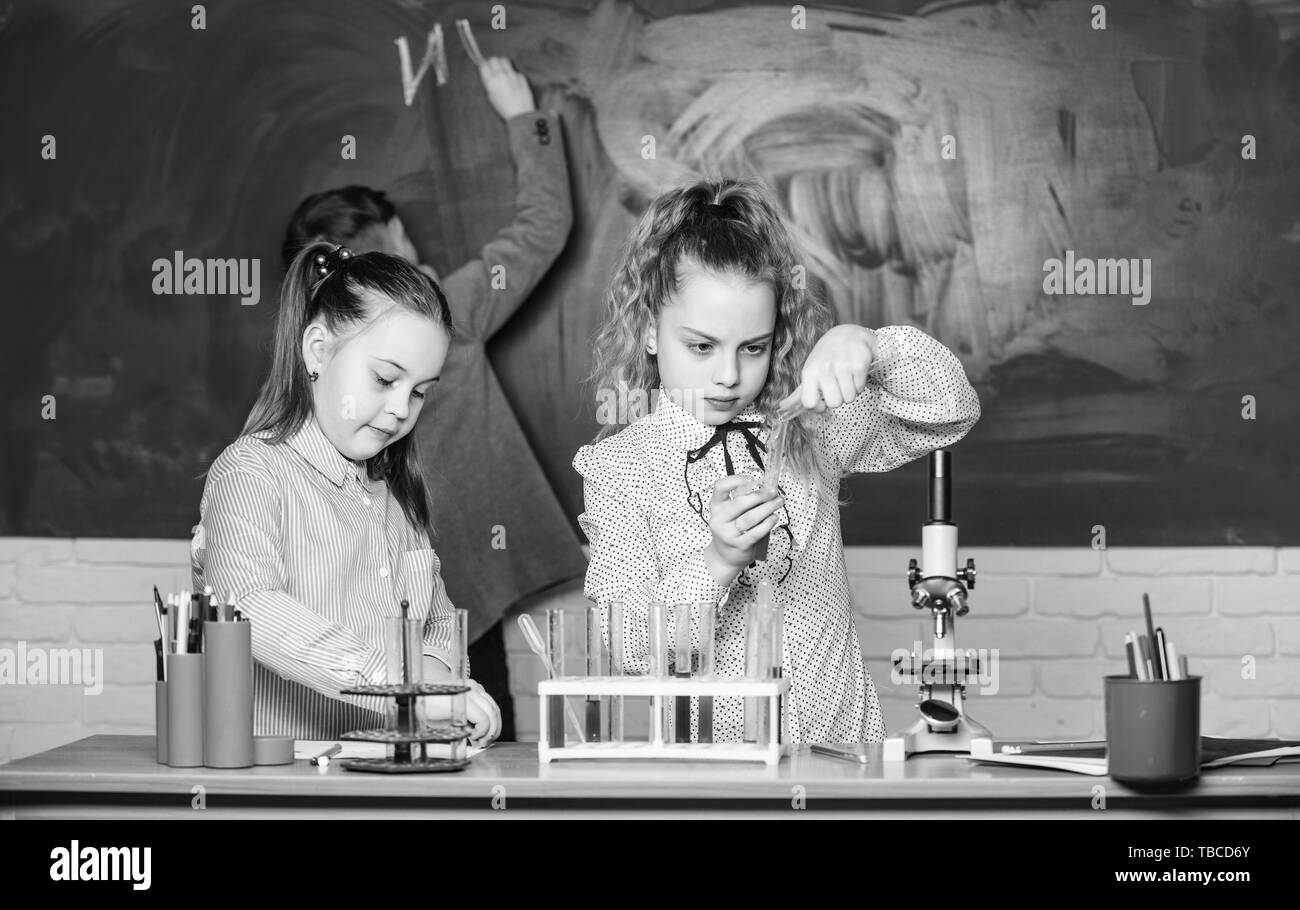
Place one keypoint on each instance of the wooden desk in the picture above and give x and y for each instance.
(117, 777)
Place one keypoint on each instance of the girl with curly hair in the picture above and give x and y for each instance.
(708, 315)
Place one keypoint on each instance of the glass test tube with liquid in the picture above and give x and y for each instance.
(617, 667)
(763, 652)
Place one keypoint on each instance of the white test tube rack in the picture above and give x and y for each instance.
(659, 691)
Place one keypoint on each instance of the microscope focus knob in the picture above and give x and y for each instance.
(913, 573)
(968, 574)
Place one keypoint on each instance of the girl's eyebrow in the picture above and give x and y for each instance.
(713, 340)
(403, 369)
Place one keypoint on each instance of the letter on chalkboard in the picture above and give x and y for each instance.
(433, 56)
(48, 151)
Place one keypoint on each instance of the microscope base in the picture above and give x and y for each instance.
(967, 736)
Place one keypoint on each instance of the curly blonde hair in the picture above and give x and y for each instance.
(727, 227)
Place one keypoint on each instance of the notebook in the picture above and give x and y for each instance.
(1090, 757)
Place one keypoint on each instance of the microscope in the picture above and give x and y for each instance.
(939, 586)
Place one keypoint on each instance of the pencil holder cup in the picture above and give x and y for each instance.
(160, 719)
(228, 695)
(185, 710)
(1153, 730)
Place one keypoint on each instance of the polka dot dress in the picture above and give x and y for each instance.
(648, 531)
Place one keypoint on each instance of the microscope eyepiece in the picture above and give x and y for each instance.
(940, 486)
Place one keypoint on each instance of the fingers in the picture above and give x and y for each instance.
(483, 710)
(751, 537)
(810, 395)
(738, 494)
(844, 377)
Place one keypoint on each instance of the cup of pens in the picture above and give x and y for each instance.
(1153, 715)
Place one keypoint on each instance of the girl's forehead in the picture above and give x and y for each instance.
(714, 302)
(396, 330)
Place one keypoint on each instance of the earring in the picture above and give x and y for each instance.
(314, 376)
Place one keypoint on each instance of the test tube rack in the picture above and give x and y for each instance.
(409, 753)
(660, 691)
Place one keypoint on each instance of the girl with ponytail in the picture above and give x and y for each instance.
(708, 316)
(316, 520)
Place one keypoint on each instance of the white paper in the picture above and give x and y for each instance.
(307, 749)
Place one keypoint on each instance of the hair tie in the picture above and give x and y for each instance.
(335, 259)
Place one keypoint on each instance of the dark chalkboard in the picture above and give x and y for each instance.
(174, 140)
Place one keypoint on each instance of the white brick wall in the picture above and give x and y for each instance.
(1056, 616)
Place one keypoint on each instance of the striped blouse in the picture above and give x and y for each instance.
(316, 555)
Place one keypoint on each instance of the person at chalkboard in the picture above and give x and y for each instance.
(316, 520)
(502, 533)
(705, 311)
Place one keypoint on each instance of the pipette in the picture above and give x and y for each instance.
(538, 647)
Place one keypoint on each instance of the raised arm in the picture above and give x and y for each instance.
(485, 292)
(917, 399)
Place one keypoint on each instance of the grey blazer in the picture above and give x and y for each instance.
(501, 533)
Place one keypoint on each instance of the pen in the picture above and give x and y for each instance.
(1128, 651)
(332, 750)
(1084, 746)
(158, 611)
(1151, 637)
(1162, 655)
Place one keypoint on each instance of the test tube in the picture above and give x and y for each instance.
(557, 734)
(682, 670)
(762, 658)
(657, 667)
(703, 616)
(617, 666)
(459, 647)
(595, 668)
(775, 461)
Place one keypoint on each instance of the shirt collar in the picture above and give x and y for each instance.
(682, 430)
(311, 443)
